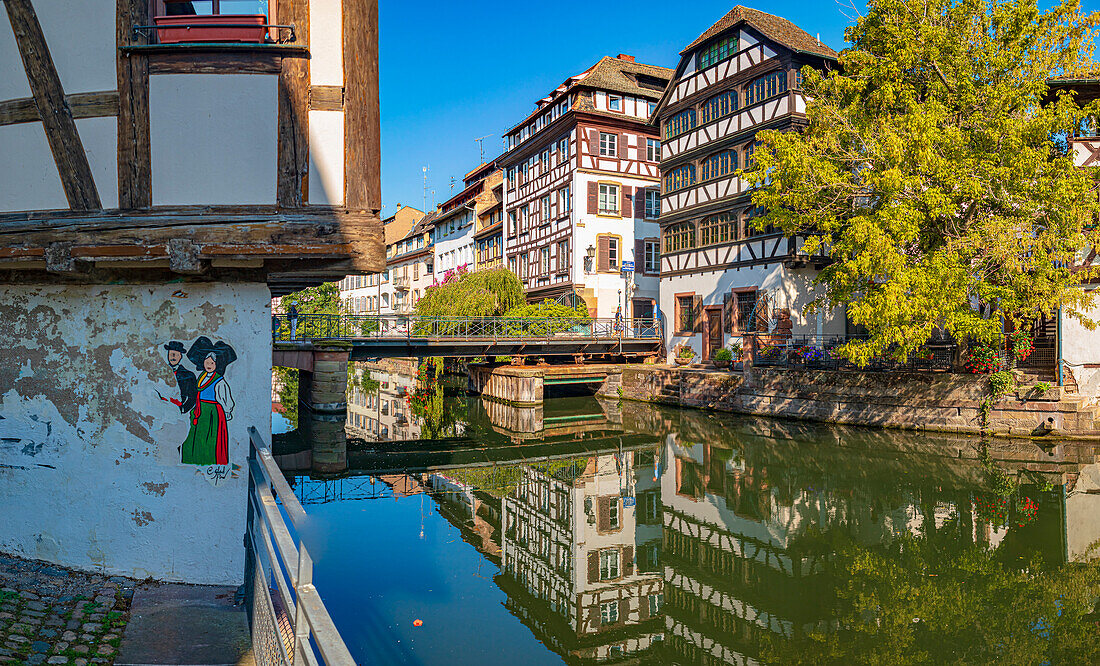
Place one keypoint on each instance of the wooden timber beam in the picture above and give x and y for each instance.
(49, 97)
(326, 98)
(292, 185)
(135, 160)
(83, 105)
(362, 128)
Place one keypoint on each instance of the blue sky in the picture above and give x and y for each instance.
(455, 71)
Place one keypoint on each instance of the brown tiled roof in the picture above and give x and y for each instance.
(629, 78)
(773, 27)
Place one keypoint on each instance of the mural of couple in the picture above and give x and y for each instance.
(206, 399)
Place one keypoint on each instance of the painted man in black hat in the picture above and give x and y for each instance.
(185, 379)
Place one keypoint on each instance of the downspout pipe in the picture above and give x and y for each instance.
(1058, 355)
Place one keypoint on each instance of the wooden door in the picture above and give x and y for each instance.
(714, 332)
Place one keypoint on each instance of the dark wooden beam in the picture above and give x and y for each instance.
(250, 62)
(291, 189)
(135, 161)
(362, 128)
(83, 105)
(49, 97)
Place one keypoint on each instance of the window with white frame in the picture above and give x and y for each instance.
(609, 144)
(609, 612)
(563, 149)
(564, 201)
(652, 256)
(544, 161)
(652, 108)
(613, 509)
(523, 172)
(652, 204)
(608, 199)
(656, 603)
(511, 223)
(609, 564)
(525, 218)
(563, 254)
(614, 103)
(544, 260)
(545, 210)
(653, 150)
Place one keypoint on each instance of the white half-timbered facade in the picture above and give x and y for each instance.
(581, 191)
(741, 76)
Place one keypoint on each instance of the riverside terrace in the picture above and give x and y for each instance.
(404, 336)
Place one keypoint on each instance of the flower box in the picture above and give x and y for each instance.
(216, 28)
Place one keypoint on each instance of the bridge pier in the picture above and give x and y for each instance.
(328, 441)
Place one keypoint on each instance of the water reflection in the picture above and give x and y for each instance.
(622, 531)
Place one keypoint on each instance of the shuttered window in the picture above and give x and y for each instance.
(717, 51)
(718, 106)
(686, 318)
(746, 306)
(765, 87)
(609, 144)
(652, 204)
(609, 564)
(680, 123)
(609, 612)
(652, 257)
(609, 253)
(609, 199)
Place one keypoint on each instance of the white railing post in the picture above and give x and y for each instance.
(301, 622)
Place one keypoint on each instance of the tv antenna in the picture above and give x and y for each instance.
(480, 141)
(425, 187)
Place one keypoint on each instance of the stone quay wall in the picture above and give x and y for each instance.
(913, 401)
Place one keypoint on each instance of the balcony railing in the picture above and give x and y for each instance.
(401, 283)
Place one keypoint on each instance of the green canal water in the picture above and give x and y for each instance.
(594, 531)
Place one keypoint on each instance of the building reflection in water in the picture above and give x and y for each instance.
(718, 542)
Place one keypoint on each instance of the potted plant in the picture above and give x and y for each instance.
(685, 355)
(723, 358)
(736, 351)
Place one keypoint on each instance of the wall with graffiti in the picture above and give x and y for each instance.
(124, 416)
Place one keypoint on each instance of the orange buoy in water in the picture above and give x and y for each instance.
(417, 623)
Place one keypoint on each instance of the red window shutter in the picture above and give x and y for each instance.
(603, 258)
(626, 201)
(697, 310)
(729, 311)
(639, 255)
(594, 142)
(628, 560)
(603, 514)
(639, 203)
(621, 153)
(643, 607)
(624, 608)
(593, 198)
(593, 566)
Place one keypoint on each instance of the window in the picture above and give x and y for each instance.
(679, 237)
(608, 144)
(545, 210)
(652, 256)
(750, 160)
(511, 178)
(512, 264)
(652, 108)
(609, 199)
(544, 260)
(511, 223)
(719, 164)
(563, 149)
(656, 602)
(746, 306)
(609, 568)
(798, 79)
(609, 612)
(652, 204)
(680, 123)
(544, 161)
(563, 255)
(523, 172)
(613, 515)
(765, 87)
(614, 102)
(564, 201)
(718, 229)
(608, 259)
(719, 106)
(525, 218)
(680, 177)
(717, 51)
(653, 150)
(686, 306)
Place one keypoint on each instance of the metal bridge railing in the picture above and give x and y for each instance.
(290, 625)
(818, 352)
(333, 326)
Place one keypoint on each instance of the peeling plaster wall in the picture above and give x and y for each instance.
(90, 471)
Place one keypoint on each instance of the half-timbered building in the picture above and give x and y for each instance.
(741, 76)
(581, 190)
(455, 224)
(163, 183)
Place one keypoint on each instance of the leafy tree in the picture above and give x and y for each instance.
(322, 299)
(487, 293)
(559, 317)
(935, 170)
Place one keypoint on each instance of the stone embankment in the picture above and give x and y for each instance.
(913, 401)
(51, 615)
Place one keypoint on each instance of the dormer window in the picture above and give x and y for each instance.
(717, 51)
(614, 103)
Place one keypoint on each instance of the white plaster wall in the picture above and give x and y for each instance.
(89, 457)
(100, 139)
(326, 157)
(1083, 514)
(793, 289)
(33, 183)
(81, 37)
(1080, 349)
(214, 138)
(13, 84)
(326, 43)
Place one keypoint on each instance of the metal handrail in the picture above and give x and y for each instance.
(289, 27)
(282, 574)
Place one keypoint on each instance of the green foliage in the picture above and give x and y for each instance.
(984, 408)
(487, 293)
(1041, 388)
(686, 352)
(558, 318)
(936, 172)
(736, 349)
(1001, 384)
(322, 299)
(288, 393)
(723, 355)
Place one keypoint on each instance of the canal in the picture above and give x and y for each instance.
(463, 531)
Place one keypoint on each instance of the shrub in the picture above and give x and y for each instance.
(723, 355)
(1041, 388)
(982, 358)
(686, 352)
(1002, 383)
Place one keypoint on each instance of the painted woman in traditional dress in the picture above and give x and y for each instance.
(207, 440)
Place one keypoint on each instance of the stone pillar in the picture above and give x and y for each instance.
(324, 391)
(328, 441)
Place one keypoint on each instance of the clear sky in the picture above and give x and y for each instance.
(456, 71)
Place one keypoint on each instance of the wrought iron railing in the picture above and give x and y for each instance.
(819, 352)
(290, 625)
(345, 327)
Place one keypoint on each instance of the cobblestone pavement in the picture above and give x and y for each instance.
(53, 615)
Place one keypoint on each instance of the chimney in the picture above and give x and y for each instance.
(625, 58)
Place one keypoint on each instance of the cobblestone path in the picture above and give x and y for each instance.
(53, 615)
